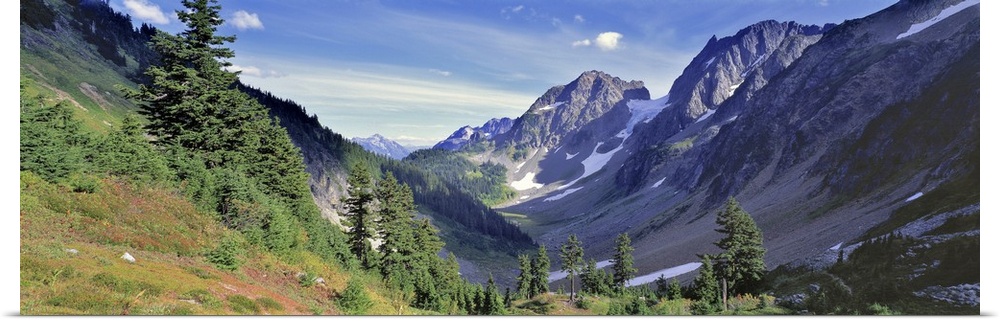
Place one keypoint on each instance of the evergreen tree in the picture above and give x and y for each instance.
(508, 300)
(706, 288)
(394, 225)
(622, 262)
(571, 254)
(741, 262)
(359, 215)
(492, 302)
(540, 272)
(662, 289)
(51, 140)
(524, 278)
(674, 290)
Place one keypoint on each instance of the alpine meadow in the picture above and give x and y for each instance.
(219, 157)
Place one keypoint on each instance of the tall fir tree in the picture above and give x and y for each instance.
(741, 262)
(540, 272)
(674, 289)
(706, 288)
(394, 225)
(524, 278)
(360, 215)
(571, 254)
(622, 262)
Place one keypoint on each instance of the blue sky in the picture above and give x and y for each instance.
(415, 71)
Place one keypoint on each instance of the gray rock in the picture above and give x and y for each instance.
(72, 251)
(128, 258)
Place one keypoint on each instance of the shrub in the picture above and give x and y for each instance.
(242, 304)
(227, 255)
(270, 304)
(203, 297)
(744, 302)
(353, 299)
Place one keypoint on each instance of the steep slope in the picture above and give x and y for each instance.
(827, 149)
(381, 145)
(469, 135)
(723, 66)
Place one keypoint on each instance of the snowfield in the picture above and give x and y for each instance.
(947, 12)
(528, 182)
(666, 272)
(561, 195)
(705, 116)
(642, 111)
(658, 183)
(593, 163)
(914, 196)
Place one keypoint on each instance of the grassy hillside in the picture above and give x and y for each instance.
(72, 244)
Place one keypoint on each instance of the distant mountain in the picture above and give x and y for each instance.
(381, 145)
(467, 134)
(824, 134)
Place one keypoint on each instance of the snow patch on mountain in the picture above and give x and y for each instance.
(705, 116)
(558, 275)
(570, 156)
(751, 67)
(732, 89)
(658, 183)
(564, 194)
(666, 272)
(915, 196)
(709, 62)
(528, 182)
(551, 107)
(947, 12)
(595, 162)
(642, 111)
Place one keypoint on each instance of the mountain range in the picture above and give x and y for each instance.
(826, 134)
(381, 145)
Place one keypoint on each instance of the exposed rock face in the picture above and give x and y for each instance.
(565, 109)
(715, 88)
(381, 145)
(724, 65)
(821, 141)
(467, 134)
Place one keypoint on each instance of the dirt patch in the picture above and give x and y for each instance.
(94, 94)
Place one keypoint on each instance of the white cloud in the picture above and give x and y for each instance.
(444, 73)
(146, 11)
(579, 19)
(824, 3)
(608, 40)
(518, 8)
(244, 20)
(255, 71)
(578, 43)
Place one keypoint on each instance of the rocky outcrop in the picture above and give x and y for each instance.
(723, 66)
(565, 109)
(467, 134)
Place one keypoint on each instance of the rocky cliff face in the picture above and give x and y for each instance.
(824, 137)
(564, 110)
(723, 66)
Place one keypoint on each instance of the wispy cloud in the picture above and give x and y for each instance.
(824, 3)
(441, 72)
(608, 41)
(581, 43)
(146, 11)
(244, 20)
(579, 19)
(255, 71)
